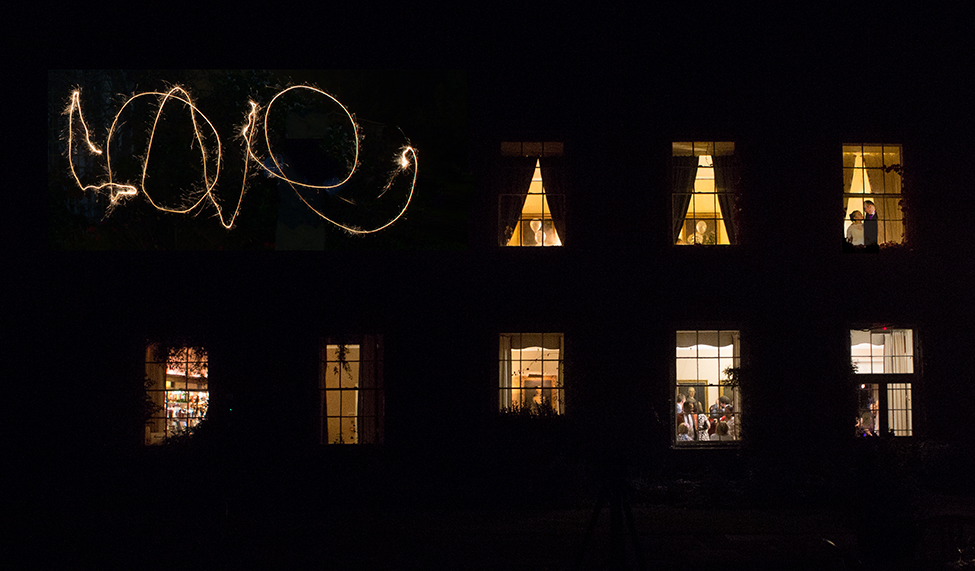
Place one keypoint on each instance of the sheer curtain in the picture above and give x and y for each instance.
(505, 371)
(900, 358)
(849, 162)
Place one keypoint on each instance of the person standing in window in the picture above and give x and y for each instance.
(871, 224)
(697, 423)
(854, 234)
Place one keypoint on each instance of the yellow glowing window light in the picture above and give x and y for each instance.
(341, 393)
(704, 216)
(537, 214)
(861, 164)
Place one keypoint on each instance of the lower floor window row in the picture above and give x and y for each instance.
(707, 405)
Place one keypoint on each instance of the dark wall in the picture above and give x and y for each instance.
(618, 289)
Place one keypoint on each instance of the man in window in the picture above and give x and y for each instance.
(871, 226)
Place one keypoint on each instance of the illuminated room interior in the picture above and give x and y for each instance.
(537, 213)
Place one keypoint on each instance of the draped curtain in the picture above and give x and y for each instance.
(516, 177)
(370, 401)
(685, 172)
(725, 183)
(553, 181)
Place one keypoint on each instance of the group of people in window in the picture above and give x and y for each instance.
(865, 230)
(694, 425)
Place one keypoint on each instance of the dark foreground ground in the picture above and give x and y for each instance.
(201, 507)
(666, 537)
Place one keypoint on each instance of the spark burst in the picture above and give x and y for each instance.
(118, 191)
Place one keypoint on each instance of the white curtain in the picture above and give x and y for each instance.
(505, 370)
(901, 352)
(899, 418)
(687, 339)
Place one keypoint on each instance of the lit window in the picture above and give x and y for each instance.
(872, 195)
(176, 390)
(705, 183)
(351, 390)
(531, 209)
(530, 375)
(707, 406)
(884, 402)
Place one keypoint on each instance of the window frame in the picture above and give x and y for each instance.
(725, 202)
(892, 177)
(506, 371)
(735, 388)
(511, 205)
(159, 405)
(884, 384)
(367, 426)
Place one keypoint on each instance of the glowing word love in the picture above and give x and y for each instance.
(403, 162)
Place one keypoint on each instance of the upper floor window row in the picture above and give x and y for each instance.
(705, 191)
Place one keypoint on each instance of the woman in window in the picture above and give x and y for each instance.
(854, 234)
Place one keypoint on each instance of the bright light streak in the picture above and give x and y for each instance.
(405, 160)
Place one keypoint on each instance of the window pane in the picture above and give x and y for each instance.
(531, 373)
(867, 176)
(708, 405)
(868, 407)
(899, 409)
(177, 393)
(879, 352)
(351, 387)
(699, 213)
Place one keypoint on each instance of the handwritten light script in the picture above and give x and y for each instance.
(253, 134)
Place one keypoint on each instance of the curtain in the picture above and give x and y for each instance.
(505, 370)
(685, 172)
(553, 181)
(899, 408)
(516, 176)
(901, 358)
(687, 339)
(849, 162)
(525, 340)
(322, 409)
(370, 401)
(725, 183)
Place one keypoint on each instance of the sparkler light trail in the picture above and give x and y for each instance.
(117, 191)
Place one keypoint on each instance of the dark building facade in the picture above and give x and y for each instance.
(632, 231)
(616, 291)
